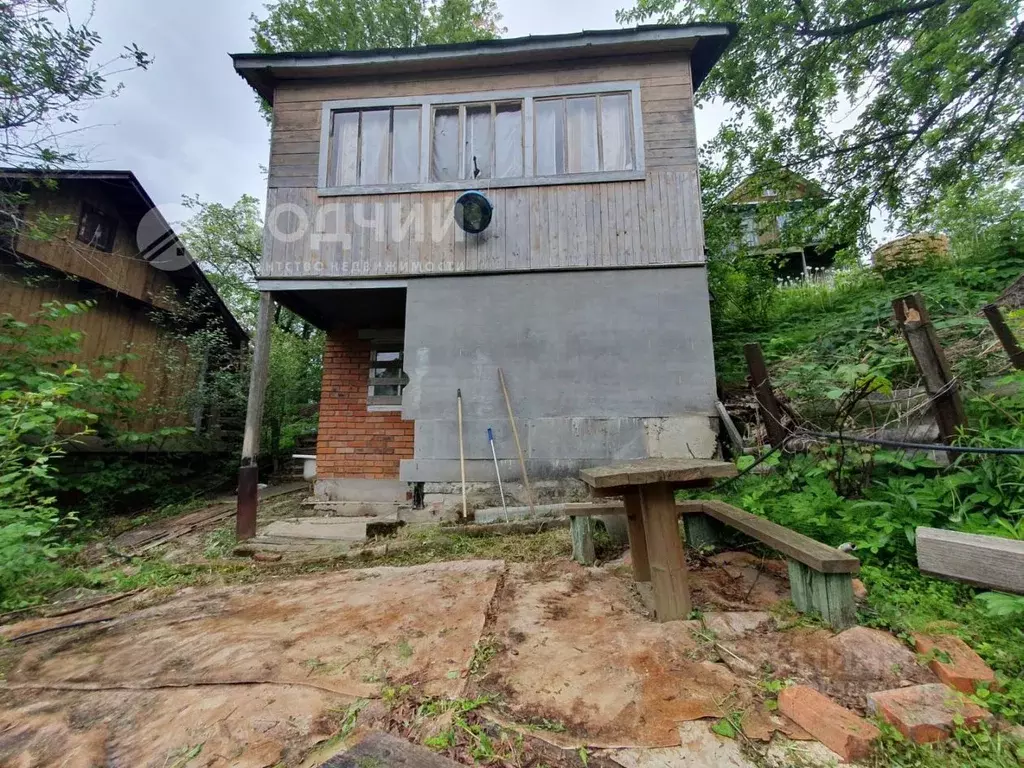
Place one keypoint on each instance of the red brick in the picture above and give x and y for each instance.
(963, 671)
(926, 713)
(839, 729)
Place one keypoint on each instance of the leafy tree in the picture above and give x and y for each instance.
(227, 242)
(886, 103)
(346, 25)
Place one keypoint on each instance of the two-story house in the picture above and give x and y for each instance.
(106, 242)
(526, 204)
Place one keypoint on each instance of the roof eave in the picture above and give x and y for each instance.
(705, 42)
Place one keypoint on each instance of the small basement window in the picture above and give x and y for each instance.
(387, 379)
(97, 228)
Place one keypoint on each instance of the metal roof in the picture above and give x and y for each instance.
(705, 42)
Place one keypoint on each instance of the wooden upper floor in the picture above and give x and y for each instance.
(584, 146)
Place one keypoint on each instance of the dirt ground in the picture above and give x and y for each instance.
(259, 675)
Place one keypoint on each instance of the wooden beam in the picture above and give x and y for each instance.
(730, 428)
(582, 530)
(637, 535)
(646, 471)
(984, 561)
(768, 404)
(248, 476)
(669, 578)
(1005, 335)
(913, 319)
(796, 546)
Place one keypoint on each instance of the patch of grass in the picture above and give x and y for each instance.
(220, 543)
(404, 649)
(970, 749)
(484, 651)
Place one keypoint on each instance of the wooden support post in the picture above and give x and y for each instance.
(669, 579)
(730, 428)
(1005, 335)
(637, 535)
(771, 411)
(830, 594)
(702, 531)
(248, 475)
(913, 319)
(582, 529)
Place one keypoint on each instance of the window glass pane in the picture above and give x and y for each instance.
(405, 146)
(508, 141)
(549, 140)
(479, 138)
(616, 133)
(444, 162)
(582, 129)
(373, 152)
(345, 150)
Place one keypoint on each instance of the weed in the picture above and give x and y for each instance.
(404, 649)
(485, 649)
(220, 543)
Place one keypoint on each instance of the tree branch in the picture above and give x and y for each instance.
(844, 30)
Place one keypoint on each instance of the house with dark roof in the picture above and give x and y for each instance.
(530, 205)
(106, 242)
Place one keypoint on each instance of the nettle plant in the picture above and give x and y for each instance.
(46, 404)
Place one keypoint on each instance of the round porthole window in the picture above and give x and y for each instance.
(473, 212)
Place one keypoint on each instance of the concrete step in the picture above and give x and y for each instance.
(351, 508)
(329, 528)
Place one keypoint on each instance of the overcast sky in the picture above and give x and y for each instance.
(190, 125)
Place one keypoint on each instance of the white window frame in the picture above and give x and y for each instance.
(427, 105)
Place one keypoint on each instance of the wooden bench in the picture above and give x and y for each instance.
(821, 577)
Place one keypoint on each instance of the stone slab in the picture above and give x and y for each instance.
(382, 750)
(319, 528)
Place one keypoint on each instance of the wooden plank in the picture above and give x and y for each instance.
(646, 471)
(1005, 335)
(796, 546)
(767, 403)
(913, 319)
(669, 578)
(637, 535)
(984, 561)
(582, 530)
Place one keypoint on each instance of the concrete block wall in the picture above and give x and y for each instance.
(354, 442)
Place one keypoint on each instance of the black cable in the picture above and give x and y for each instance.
(914, 446)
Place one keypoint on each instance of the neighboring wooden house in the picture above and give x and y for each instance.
(101, 217)
(587, 286)
(765, 209)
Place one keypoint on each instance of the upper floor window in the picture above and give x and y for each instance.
(567, 134)
(97, 228)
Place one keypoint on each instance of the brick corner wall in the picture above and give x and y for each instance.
(353, 441)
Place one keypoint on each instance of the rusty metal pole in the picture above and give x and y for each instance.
(248, 474)
(771, 411)
(1005, 335)
(913, 320)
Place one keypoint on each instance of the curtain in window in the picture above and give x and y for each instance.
(616, 134)
(479, 138)
(582, 130)
(508, 141)
(405, 146)
(373, 155)
(345, 151)
(549, 136)
(444, 162)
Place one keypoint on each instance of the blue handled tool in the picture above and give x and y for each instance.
(490, 437)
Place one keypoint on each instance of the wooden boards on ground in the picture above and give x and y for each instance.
(984, 561)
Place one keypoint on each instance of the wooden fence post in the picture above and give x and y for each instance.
(1005, 335)
(767, 403)
(248, 475)
(913, 319)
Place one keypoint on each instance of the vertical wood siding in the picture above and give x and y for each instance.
(656, 220)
